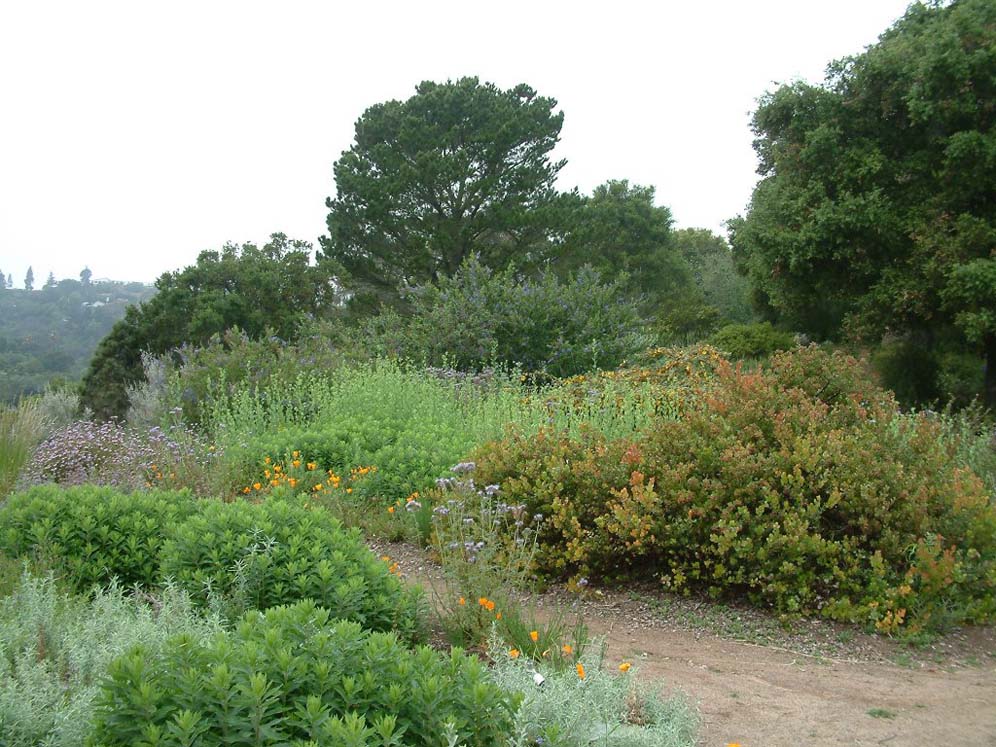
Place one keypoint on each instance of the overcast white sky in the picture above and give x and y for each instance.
(135, 134)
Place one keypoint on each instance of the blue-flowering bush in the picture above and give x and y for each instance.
(89, 452)
(481, 316)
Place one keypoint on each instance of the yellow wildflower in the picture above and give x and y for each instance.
(625, 666)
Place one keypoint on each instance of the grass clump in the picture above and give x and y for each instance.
(21, 429)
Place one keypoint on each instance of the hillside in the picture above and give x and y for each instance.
(50, 334)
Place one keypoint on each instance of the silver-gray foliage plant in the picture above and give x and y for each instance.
(54, 650)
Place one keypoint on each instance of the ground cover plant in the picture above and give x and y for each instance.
(293, 675)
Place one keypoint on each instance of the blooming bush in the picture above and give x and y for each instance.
(268, 554)
(93, 534)
(293, 674)
(486, 548)
(88, 452)
(297, 476)
(479, 317)
(809, 493)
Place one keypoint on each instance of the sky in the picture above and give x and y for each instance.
(134, 135)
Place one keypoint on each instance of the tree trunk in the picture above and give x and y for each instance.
(989, 386)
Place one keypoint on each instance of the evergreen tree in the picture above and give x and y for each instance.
(29, 279)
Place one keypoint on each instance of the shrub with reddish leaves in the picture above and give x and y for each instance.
(806, 493)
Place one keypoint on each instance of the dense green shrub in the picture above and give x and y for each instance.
(924, 371)
(199, 374)
(292, 674)
(806, 493)
(751, 340)
(961, 377)
(267, 554)
(910, 369)
(54, 651)
(93, 534)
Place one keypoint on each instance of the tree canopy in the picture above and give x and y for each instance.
(459, 168)
(875, 214)
(619, 230)
(256, 289)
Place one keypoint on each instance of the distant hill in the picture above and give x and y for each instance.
(50, 334)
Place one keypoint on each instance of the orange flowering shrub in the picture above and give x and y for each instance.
(807, 492)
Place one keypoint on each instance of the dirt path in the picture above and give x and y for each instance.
(759, 685)
(758, 696)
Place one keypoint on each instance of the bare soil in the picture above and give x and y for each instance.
(759, 682)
